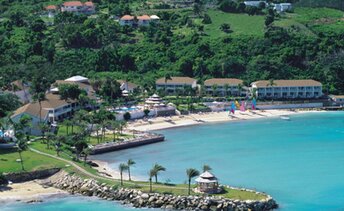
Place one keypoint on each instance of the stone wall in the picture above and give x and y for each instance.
(138, 199)
(32, 175)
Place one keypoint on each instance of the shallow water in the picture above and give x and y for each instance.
(299, 162)
(70, 203)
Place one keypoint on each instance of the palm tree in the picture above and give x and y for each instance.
(68, 123)
(239, 89)
(151, 174)
(206, 168)
(191, 173)
(130, 162)
(21, 145)
(86, 151)
(226, 87)
(214, 89)
(50, 137)
(39, 97)
(156, 169)
(122, 167)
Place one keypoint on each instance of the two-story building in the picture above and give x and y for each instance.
(283, 7)
(175, 84)
(143, 20)
(224, 86)
(78, 7)
(287, 89)
(126, 20)
(52, 109)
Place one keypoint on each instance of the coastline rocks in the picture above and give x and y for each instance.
(32, 175)
(138, 199)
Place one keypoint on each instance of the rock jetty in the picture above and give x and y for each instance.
(136, 198)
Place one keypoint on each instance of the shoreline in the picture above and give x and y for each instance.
(161, 123)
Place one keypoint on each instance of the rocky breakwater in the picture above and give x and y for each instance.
(137, 198)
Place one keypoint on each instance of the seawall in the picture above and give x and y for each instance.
(32, 175)
(138, 199)
(109, 147)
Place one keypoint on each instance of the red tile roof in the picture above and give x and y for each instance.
(143, 17)
(51, 7)
(72, 4)
(89, 4)
(127, 18)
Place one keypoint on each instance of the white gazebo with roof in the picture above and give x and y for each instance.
(207, 183)
(77, 78)
(154, 100)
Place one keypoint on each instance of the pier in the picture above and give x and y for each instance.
(144, 139)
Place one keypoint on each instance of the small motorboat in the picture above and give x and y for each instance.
(285, 117)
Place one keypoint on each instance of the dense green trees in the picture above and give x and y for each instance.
(99, 47)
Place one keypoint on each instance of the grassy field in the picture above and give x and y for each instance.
(241, 24)
(32, 161)
(310, 20)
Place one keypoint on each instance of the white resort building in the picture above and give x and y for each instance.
(53, 109)
(287, 89)
(175, 84)
(78, 7)
(224, 86)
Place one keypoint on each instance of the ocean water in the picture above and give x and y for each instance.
(298, 162)
(70, 203)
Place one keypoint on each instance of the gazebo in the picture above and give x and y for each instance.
(207, 183)
(154, 100)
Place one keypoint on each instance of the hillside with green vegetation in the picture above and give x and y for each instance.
(227, 40)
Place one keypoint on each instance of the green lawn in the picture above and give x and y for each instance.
(313, 19)
(241, 24)
(32, 161)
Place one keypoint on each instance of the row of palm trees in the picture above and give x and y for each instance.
(154, 172)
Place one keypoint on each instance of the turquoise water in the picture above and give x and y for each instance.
(66, 204)
(299, 162)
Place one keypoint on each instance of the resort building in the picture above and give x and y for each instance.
(53, 109)
(207, 183)
(51, 10)
(287, 89)
(143, 20)
(155, 18)
(78, 7)
(337, 99)
(254, 3)
(283, 7)
(224, 86)
(175, 84)
(126, 20)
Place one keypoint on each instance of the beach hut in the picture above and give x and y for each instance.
(207, 183)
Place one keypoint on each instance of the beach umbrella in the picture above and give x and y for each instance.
(254, 104)
(242, 107)
(233, 108)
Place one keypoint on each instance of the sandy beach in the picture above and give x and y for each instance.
(160, 123)
(31, 191)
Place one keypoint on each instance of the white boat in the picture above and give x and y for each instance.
(285, 117)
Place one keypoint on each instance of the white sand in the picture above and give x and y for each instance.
(194, 119)
(27, 191)
(105, 170)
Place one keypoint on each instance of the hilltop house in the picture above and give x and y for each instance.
(78, 7)
(283, 7)
(175, 83)
(279, 89)
(255, 3)
(223, 86)
(53, 109)
(143, 20)
(51, 10)
(126, 20)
